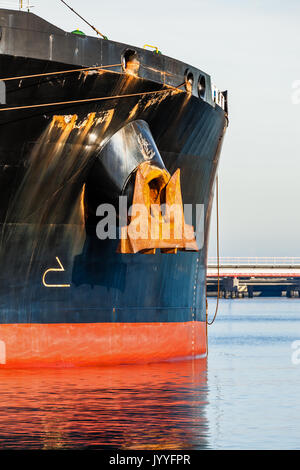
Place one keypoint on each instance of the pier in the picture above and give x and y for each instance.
(249, 277)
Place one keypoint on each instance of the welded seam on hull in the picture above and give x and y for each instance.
(194, 305)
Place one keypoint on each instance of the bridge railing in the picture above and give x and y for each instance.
(255, 261)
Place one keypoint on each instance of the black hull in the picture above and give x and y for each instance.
(42, 208)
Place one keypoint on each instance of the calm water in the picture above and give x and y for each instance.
(246, 395)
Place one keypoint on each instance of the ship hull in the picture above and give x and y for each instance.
(68, 298)
(91, 344)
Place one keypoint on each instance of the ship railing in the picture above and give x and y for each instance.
(218, 97)
(24, 5)
(255, 261)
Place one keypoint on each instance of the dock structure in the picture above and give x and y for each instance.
(249, 277)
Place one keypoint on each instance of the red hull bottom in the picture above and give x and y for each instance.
(90, 344)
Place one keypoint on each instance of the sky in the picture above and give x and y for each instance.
(252, 49)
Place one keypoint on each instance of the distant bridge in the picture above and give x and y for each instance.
(241, 276)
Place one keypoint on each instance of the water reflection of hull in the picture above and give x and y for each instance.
(67, 297)
(157, 406)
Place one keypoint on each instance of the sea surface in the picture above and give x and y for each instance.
(245, 396)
